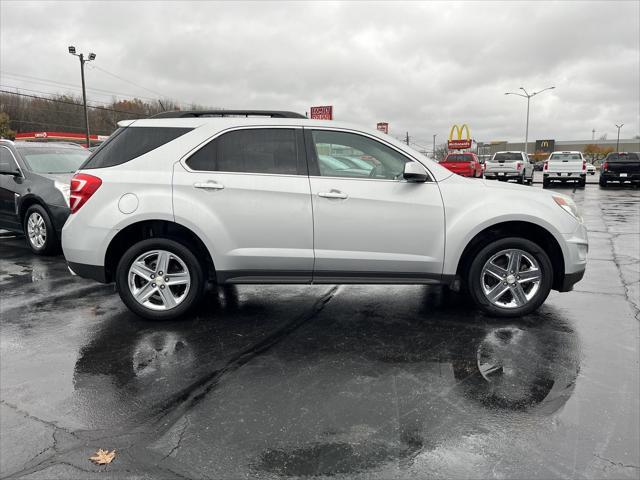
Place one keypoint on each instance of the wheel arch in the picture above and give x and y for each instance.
(147, 229)
(523, 229)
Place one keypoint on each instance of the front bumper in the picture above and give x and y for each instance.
(575, 257)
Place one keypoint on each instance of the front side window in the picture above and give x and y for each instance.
(6, 159)
(264, 150)
(342, 154)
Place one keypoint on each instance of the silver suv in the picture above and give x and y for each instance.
(167, 204)
(509, 166)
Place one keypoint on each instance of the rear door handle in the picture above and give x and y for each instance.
(209, 185)
(333, 194)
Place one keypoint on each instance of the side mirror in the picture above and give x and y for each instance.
(8, 169)
(414, 172)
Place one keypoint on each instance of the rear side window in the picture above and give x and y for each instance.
(130, 142)
(264, 150)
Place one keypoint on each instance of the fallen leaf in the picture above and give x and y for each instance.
(103, 457)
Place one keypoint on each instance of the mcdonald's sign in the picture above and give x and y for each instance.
(546, 146)
(459, 143)
(382, 127)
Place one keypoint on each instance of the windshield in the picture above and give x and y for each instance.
(564, 156)
(507, 157)
(53, 159)
(459, 158)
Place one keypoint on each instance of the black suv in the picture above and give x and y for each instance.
(34, 189)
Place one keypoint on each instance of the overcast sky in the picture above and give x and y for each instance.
(419, 66)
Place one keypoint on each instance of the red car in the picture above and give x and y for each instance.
(465, 164)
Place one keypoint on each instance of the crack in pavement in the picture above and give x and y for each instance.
(176, 407)
(617, 464)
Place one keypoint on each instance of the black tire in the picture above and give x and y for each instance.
(521, 179)
(51, 245)
(602, 182)
(473, 277)
(194, 267)
(545, 183)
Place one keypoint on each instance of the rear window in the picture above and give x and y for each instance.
(564, 156)
(130, 142)
(507, 157)
(53, 159)
(459, 158)
(622, 157)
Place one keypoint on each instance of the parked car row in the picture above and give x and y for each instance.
(170, 203)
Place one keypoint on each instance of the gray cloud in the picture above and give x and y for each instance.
(419, 66)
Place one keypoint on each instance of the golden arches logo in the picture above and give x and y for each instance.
(459, 131)
(544, 143)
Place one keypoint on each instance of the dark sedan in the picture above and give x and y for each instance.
(34, 190)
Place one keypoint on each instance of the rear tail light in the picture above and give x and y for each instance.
(518, 165)
(82, 187)
(584, 164)
(605, 166)
(546, 166)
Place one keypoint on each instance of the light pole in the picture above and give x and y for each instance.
(434, 146)
(618, 140)
(528, 96)
(92, 56)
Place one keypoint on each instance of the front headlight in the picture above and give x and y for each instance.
(569, 206)
(64, 189)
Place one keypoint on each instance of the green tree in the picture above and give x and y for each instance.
(5, 130)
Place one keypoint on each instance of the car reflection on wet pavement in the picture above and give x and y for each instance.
(325, 381)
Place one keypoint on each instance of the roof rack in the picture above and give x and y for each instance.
(227, 113)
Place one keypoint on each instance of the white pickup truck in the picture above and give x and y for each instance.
(564, 167)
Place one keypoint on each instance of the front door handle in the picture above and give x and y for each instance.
(333, 194)
(208, 185)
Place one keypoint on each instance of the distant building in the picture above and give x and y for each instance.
(626, 145)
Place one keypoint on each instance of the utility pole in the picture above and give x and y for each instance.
(92, 56)
(593, 134)
(618, 140)
(407, 140)
(434, 146)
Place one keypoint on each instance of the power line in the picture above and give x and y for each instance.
(124, 80)
(68, 103)
(44, 81)
(49, 93)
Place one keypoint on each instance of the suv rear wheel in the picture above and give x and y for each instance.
(159, 279)
(510, 277)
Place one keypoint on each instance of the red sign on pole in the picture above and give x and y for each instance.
(322, 113)
(383, 127)
(459, 144)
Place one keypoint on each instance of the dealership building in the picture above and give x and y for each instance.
(550, 145)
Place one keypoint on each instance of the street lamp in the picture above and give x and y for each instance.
(528, 96)
(618, 140)
(92, 56)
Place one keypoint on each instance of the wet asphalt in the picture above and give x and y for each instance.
(326, 381)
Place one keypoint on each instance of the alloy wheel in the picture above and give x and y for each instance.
(510, 278)
(159, 280)
(37, 230)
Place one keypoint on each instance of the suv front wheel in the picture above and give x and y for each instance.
(159, 279)
(510, 277)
